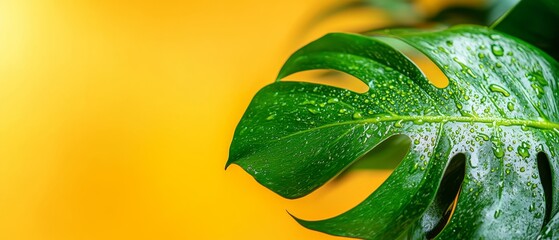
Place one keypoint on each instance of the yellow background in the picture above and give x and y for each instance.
(116, 119)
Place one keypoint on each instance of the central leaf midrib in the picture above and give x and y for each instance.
(439, 119)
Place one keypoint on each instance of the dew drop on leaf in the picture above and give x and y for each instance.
(498, 89)
(538, 89)
(537, 76)
(522, 150)
(494, 36)
(497, 214)
(333, 100)
(497, 147)
(510, 106)
(313, 110)
(357, 115)
(497, 50)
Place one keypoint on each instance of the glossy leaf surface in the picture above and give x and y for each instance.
(499, 113)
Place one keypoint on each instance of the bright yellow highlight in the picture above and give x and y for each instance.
(116, 119)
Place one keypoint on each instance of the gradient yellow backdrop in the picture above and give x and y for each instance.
(116, 119)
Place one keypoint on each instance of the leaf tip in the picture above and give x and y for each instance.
(228, 163)
(302, 222)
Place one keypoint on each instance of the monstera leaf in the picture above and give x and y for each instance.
(490, 138)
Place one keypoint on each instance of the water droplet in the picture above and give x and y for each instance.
(398, 124)
(510, 106)
(498, 151)
(539, 90)
(497, 214)
(357, 115)
(465, 68)
(494, 36)
(313, 110)
(343, 110)
(523, 150)
(522, 169)
(498, 89)
(497, 147)
(271, 117)
(532, 207)
(497, 50)
(416, 141)
(469, 71)
(481, 55)
(459, 105)
(333, 100)
(308, 102)
(538, 77)
(485, 137)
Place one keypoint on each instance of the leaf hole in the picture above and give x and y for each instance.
(433, 73)
(329, 77)
(447, 195)
(544, 170)
(355, 183)
(386, 155)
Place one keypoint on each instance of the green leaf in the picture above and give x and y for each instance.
(499, 114)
